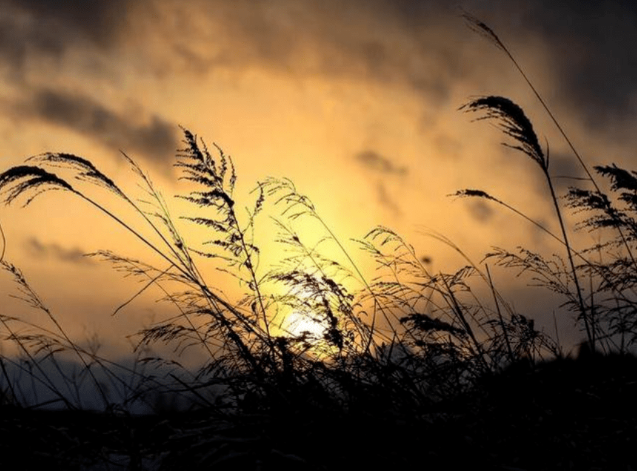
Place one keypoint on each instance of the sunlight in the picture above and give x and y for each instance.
(311, 330)
(296, 324)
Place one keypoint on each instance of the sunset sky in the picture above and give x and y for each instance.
(355, 101)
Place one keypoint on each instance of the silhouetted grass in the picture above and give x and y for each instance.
(416, 365)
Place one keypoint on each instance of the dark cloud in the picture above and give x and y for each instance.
(589, 46)
(383, 41)
(40, 250)
(376, 162)
(43, 28)
(593, 53)
(416, 43)
(156, 139)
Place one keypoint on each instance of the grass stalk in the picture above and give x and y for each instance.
(499, 311)
(589, 333)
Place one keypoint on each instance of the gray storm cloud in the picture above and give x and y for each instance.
(593, 53)
(415, 43)
(33, 32)
(385, 171)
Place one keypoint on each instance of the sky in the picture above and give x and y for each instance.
(355, 101)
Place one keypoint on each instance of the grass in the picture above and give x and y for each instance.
(420, 367)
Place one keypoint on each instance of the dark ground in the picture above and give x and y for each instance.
(561, 415)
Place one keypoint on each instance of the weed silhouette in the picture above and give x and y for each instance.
(404, 356)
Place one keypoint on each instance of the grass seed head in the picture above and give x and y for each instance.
(511, 119)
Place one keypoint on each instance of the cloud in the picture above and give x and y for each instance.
(383, 168)
(41, 28)
(35, 37)
(589, 47)
(374, 161)
(386, 200)
(413, 43)
(419, 44)
(386, 42)
(156, 139)
(593, 54)
(40, 250)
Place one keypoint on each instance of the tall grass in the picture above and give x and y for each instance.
(604, 320)
(419, 334)
(403, 336)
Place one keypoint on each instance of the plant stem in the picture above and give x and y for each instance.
(590, 335)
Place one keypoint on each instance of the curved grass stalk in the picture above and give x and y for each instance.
(482, 29)
(22, 179)
(590, 333)
(514, 123)
(90, 173)
(481, 194)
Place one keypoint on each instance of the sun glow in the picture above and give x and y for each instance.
(311, 333)
(298, 324)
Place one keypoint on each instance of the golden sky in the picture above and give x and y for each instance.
(356, 102)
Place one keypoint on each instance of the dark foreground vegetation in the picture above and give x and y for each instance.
(401, 369)
(562, 415)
